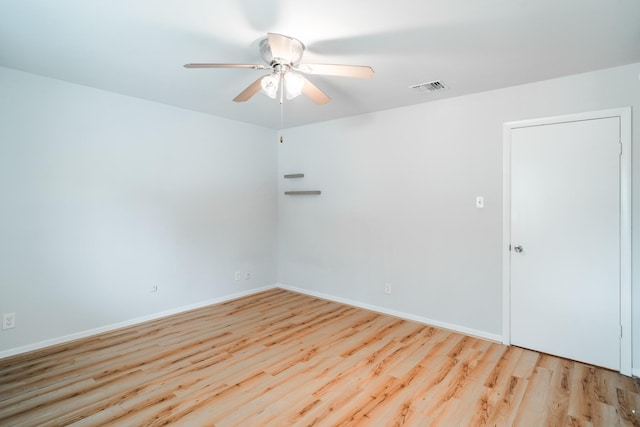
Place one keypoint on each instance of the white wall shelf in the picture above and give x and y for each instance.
(302, 193)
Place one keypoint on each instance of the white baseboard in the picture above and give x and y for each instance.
(131, 322)
(138, 320)
(406, 316)
(635, 372)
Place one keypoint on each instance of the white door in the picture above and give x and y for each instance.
(565, 239)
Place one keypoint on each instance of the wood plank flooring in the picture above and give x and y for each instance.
(280, 358)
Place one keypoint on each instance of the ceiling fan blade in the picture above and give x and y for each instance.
(315, 94)
(358, 71)
(251, 90)
(253, 66)
(280, 45)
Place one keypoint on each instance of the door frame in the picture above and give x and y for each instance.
(625, 221)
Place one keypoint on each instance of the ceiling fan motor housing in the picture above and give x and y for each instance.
(294, 54)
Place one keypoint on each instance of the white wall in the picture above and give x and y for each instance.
(398, 199)
(103, 196)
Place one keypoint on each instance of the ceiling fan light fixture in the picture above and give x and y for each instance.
(293, 84)
(283, 55)
(269, 85)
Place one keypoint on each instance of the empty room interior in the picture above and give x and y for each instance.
(251, 213)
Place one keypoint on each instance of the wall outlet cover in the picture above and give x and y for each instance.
(8, 321)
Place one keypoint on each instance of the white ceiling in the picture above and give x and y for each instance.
(138, 47)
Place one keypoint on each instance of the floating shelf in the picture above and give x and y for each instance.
(302, 193)
(294, 175)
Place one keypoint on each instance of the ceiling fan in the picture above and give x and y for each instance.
(283, 55)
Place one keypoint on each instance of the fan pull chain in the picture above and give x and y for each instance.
(281, 104)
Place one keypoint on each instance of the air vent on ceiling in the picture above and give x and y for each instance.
(429, 87)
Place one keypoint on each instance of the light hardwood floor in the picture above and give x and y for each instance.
(280, 358)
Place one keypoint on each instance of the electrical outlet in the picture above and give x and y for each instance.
(8, 321)
(238, 275)
(154, 288)
(387, 288)
(247, 275)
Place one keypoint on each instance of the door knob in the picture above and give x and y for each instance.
(517, 249)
